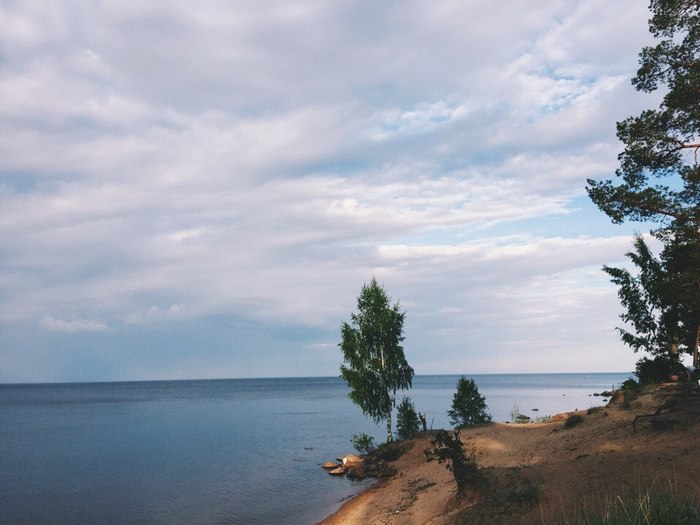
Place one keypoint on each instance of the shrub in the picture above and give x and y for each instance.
(468, 406)
(391, 451)
(407, 424)
(448, 449)
(573, 420)
(363, 443)
(630, 384)
(657, 370)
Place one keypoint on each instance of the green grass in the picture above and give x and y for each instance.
(652, 506)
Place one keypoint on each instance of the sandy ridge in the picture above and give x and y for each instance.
(566, 468)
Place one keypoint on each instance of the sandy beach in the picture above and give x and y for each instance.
(540, 473)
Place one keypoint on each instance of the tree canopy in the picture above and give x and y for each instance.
(468, 406)
(662, 144)
(374, 363)
(658, 180)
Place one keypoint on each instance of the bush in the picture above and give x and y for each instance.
(363, 443)
(573, 420)
(630, 384)
(468, 406)
(448, 449)
(407, 424)
(391, 451)
(657, 370)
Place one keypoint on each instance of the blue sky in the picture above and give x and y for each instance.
(195, 190)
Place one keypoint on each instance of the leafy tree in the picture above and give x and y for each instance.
(407, 424)
(363, 443)
(659, 176)
(371, 345)
(468, 406)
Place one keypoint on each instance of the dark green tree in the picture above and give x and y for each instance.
(468, 406)
(681, 259)
(659, 176)
(660, 306)
(648, 298)
(662, 143)
(371, 345)
(407, 424)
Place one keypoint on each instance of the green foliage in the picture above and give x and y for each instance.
(663, 144)
(657, 370)
(648, 300)
(661, 306)
(375, 366)
(660, 143)
(468, 406)
(448, 449)
(573, 420)
(363, 443)
(407, 423)
(391, 451)
(630, 384)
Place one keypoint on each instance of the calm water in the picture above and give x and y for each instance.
(213, 452)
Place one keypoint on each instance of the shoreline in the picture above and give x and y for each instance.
(537, 472)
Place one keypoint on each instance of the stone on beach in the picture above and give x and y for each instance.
(352, 461)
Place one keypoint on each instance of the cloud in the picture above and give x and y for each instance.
(77, 325)
(261, 164)
(155, 314)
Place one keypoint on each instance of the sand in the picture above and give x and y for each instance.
(539, 473)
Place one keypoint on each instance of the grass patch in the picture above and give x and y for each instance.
(653, 505)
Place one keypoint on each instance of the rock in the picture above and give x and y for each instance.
(330, 465)
(337, 471)
(352, 461)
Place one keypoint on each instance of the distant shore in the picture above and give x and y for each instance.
(543, 472)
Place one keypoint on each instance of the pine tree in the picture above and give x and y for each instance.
(468, 406)
(407, 424)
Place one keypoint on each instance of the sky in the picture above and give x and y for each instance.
(200, 189)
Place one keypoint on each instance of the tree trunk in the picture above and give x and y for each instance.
(423, 422)
(389, 436)
(695, 347)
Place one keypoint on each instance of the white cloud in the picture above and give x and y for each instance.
(155, 314)
(76, 325)
(264, 162)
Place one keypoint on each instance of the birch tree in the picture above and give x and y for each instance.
(374, 364)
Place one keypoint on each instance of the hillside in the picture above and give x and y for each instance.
(543, 472)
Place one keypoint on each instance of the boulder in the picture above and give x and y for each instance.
(330, 465)
(352, 461)
(337, 471)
